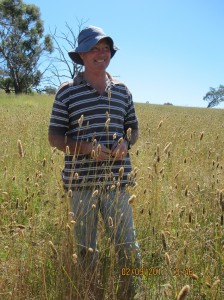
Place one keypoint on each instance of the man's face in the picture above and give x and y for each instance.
(98, 58)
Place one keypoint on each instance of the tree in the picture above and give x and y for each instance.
(214, 96)
(62, 67)
(22, 44)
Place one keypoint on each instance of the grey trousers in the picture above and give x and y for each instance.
(86, 204)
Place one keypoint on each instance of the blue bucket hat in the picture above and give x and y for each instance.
(87, 39)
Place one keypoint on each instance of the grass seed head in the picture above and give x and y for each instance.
(80, 121)
(220, 195)
(74, 258)
(95, 193)
(217, 282)
(93, 154)
(67, 150)
(166, 149)
(94, 143)
(20, 148)
(164, 243)
(190, 215)
(44, 162)
(186, 191)
(98, 150)
(17, 203)
(160, 124)
(68, 227)
(168, 216)
(131, 199)
(183, 293)
(113, 187)
(76, 176)
(128, 134)
(167, 259)
(53, 248)
(107, 123)
(120, 140)
(110, 221)
(70, 193)
(201, 136)
(121, 172)
(194, 276)
(221, 203)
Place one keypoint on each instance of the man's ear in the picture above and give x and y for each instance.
(81, 55)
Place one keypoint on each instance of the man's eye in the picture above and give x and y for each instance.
(94, 49)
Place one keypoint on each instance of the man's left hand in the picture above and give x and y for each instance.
(119, 150)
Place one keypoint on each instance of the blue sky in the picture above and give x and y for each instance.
(169, 50)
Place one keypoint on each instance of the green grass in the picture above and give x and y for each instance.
(178, 210)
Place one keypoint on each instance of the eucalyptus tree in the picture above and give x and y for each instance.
(22, 44)
(215, 96)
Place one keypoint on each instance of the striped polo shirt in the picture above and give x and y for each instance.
(81, 113)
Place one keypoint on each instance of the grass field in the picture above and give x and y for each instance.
(178, 209)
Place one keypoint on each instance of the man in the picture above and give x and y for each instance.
(93, 122)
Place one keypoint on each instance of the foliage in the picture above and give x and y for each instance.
(50, 90)
(178, 208)
(6, 84)
(167, 103)
(21, 45)
(215, 96)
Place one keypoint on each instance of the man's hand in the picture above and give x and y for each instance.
(119, 149)
(100, 152)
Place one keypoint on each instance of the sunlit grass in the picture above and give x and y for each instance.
(178, 204)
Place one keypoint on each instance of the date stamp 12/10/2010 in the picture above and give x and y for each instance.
(156, 271)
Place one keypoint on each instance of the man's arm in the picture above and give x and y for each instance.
(133, 136)
(120, 150)
(64, 143)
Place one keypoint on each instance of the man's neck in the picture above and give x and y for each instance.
(98, 80)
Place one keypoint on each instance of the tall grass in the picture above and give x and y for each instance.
(178, 205)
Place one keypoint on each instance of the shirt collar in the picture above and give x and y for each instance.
(78, 79)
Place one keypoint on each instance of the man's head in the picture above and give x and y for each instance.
(88, 38)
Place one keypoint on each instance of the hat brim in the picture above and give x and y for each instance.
(74, 54)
